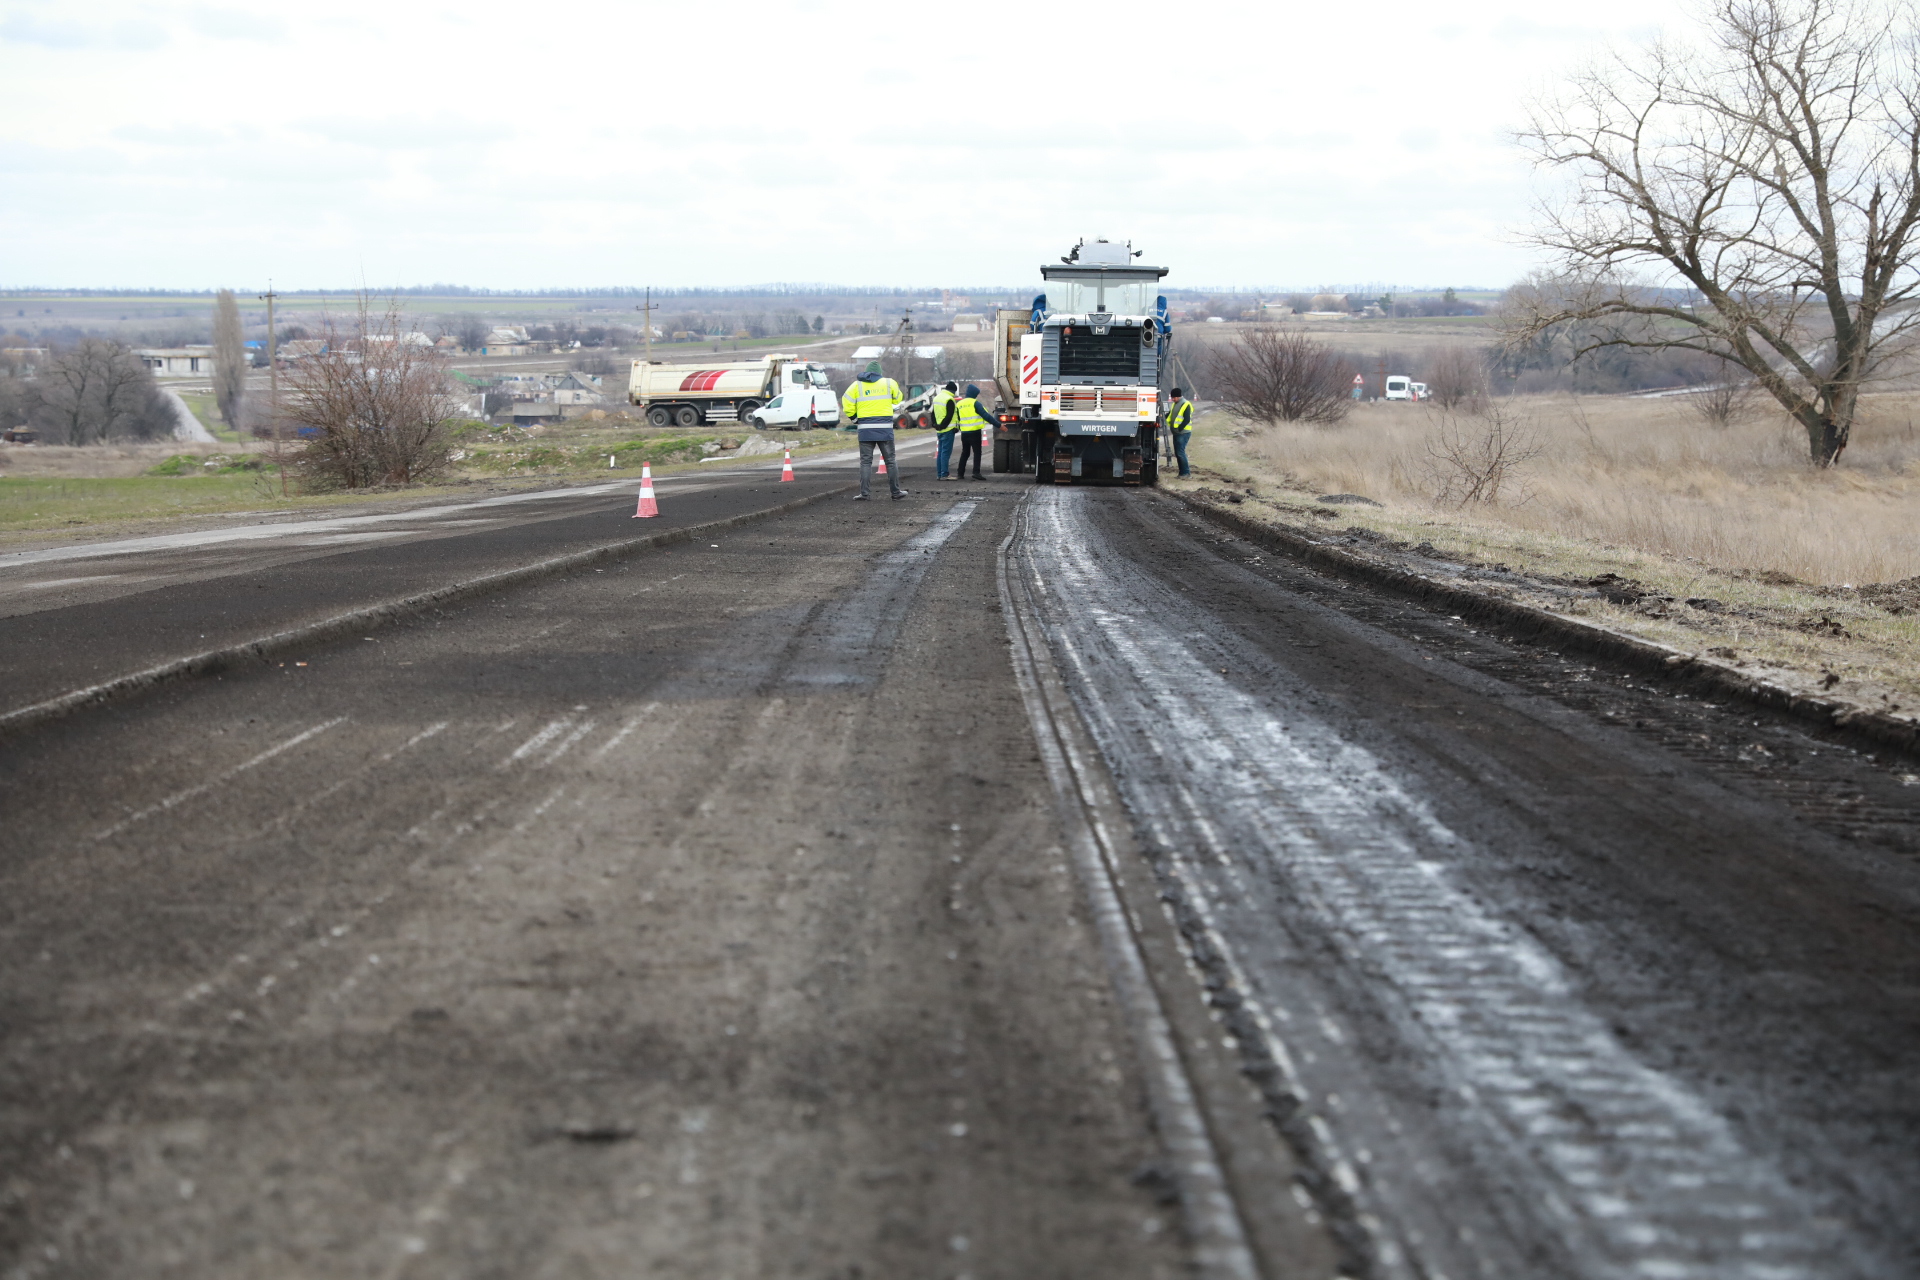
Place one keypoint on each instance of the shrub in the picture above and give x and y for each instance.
(1282, 375)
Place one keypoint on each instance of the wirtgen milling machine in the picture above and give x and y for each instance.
(1082, 374)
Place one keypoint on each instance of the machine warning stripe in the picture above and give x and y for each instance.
(1030, 369)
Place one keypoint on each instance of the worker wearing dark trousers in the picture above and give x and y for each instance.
(973, 425)
(1180, 422)
(870, 405)
(946, 421)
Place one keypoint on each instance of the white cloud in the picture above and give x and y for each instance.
(499, 144)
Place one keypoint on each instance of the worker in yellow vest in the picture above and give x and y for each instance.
(870, 405)
(973, 423)
(1180, 422)
(945, 413)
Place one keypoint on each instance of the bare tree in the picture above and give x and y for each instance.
(1472, 456)
(229, 360)
(1457, 378)
(1770, 183)
(373, 406)
(1282, 375)
(99, 390)
(470, 331)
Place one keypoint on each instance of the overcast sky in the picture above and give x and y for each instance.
(528, 146)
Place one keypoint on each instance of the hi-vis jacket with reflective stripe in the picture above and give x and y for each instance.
(971, 419)
(1180, 416)
(865, 401)
(945, 416)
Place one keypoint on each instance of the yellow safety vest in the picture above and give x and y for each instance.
(971, 419)
(876, 399)
(941, 399)
(1180, 416)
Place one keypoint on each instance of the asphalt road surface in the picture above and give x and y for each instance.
(1003, 882)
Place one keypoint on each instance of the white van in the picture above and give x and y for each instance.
(806, 399)
(1399, 387)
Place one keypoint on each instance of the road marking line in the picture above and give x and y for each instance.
(181, 797)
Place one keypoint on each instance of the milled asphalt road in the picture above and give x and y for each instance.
(711, 913)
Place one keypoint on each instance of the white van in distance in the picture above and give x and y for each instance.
(1399, 387)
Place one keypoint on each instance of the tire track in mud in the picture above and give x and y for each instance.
(1545, 1145)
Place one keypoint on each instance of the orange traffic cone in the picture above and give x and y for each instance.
(880, 467)
(648, 507)
(786, 468)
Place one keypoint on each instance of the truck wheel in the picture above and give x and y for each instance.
(1017, 456)
(686, 416)
(659, 415)
(746, 409)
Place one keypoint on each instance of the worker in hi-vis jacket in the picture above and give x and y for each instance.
(945, 413)
(1180, 422)
(870, 405)
(972, 421)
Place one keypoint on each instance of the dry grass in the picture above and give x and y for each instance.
(95, 461)
(1646, 490)
(1651, 476)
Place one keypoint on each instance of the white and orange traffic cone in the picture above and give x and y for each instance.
(786, 468)
(880, 458)
(648, 507)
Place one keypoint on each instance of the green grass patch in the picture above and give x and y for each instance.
(28, 503)
(210, 464)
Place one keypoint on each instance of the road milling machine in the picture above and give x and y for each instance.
(1081, 375)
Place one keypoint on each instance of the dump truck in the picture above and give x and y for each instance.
(688, 395)
(1081, 373)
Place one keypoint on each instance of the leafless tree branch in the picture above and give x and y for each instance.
(1756, 200)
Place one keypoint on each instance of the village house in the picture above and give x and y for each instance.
(507, 340)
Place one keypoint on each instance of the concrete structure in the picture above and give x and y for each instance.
(165, 360)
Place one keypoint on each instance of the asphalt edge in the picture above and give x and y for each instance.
(1221, 1250)
(370, 617)
(1840, 716)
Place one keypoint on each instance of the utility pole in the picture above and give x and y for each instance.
(646, 323)
(646, 332)
(906, 349)
(273, 386)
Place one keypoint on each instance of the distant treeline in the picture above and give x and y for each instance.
(466, 291)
